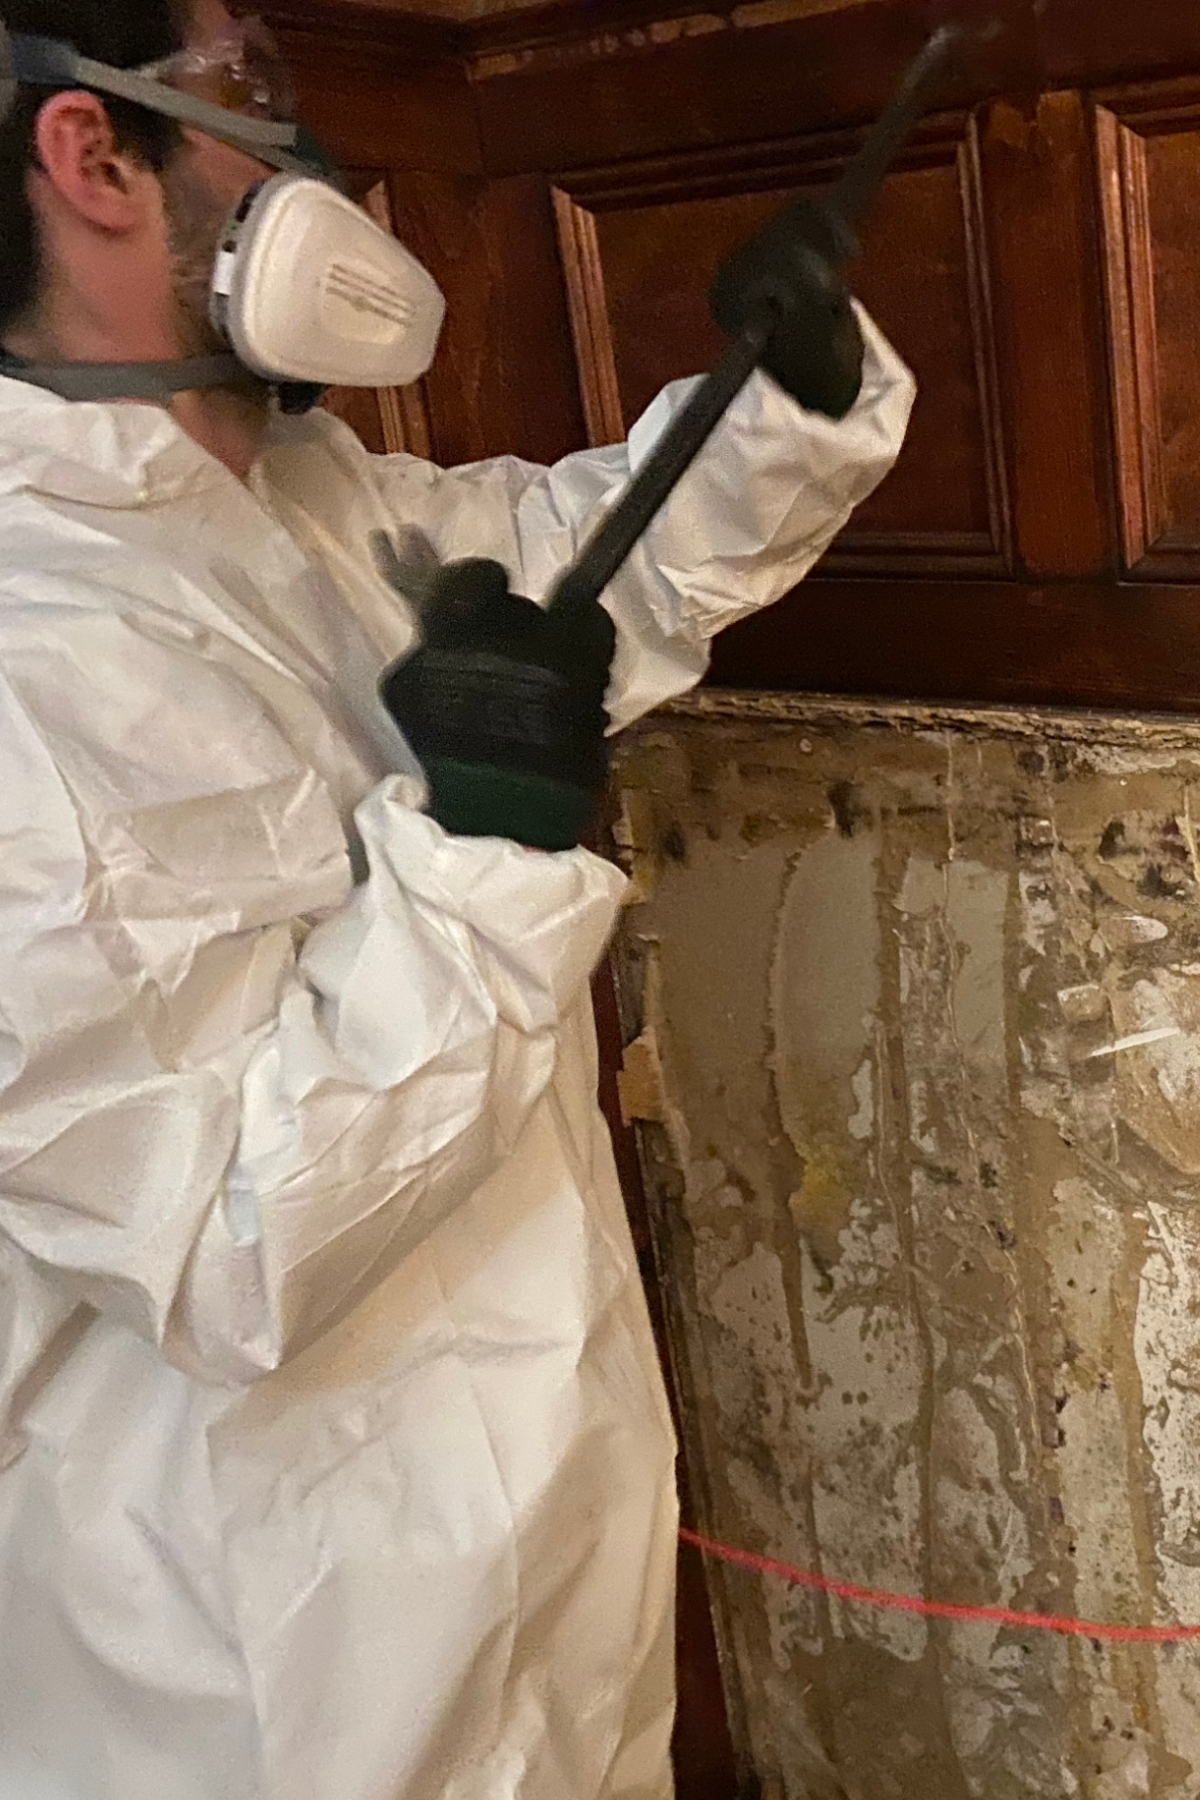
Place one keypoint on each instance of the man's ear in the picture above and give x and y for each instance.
(78, 156)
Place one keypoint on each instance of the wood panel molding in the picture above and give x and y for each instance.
(949, 142)
(1129, 289)
(1158, 542)
(1067, 643)
(1079, 41)
(583, 272)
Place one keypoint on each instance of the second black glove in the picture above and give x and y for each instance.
(792, 266)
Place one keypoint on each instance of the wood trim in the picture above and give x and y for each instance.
(437, 32)
(983, 334)
(972, 554)
(1046, 256)
(590, 326)
(1153, 107)
(826, 712)
(969, 555)
(1086, 42)
(1081, 42)
(711, 170)
(1129, 286)
(599, 99)
(381, 102)
(1086, 643)
(366, 29)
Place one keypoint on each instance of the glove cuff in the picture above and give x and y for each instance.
(480, 800)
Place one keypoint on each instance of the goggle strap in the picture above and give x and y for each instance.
(45, 62)
(128, 381)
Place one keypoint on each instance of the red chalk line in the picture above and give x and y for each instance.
(940, 1609)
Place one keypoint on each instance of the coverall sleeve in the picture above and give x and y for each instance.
(236, 1089)
(763, 501)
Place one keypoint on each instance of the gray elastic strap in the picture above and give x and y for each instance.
(128, 381)
(45, 62)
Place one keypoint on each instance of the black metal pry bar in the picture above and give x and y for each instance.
(846, 204)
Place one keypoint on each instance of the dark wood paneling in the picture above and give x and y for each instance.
(382, 104)
(1149, 168)
(505, 375)
(647, 92)
(593, 93)
(1078, 40)
(837, 70)
(641, 247)
(1044, 237)
(1088, 41)
(1070, 643)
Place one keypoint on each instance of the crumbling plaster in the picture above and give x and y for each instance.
(918, 1000)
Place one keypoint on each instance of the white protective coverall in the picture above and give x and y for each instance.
(335, 1462)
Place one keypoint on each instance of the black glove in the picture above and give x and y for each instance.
(503, 704)
(793, 264)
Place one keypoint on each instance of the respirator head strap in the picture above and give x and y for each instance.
(129, 381)
(49, 63)
(309, 292)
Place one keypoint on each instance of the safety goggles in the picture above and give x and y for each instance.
(242, 72)
(235, 90)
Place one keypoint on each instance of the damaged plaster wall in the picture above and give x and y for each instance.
(918, 996)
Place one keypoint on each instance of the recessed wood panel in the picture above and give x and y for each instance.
(1149, 163)
(639, 258)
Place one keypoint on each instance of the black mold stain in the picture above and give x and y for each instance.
(848, 811)
(1157, 886)
(674, 844)
(1112, 841)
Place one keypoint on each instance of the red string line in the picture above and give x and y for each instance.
(940, 1609)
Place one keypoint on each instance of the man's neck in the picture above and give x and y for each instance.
(229, 423)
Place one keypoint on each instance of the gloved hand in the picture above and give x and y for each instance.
(794, 264)
(503, 704)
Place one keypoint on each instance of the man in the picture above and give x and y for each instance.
(334, 1459)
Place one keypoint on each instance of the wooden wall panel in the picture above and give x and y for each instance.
(380, 102)
(505, 375)
(641, 247)
(718, 78)
(1044, 236)
(1148, 143)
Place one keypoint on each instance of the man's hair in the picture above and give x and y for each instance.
(122, 33)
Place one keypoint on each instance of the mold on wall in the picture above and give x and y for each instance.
(917, 1001)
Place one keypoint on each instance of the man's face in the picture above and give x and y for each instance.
(206, 179)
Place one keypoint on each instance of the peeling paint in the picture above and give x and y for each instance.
(924, 986)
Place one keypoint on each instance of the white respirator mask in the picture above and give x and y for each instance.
(307, 287)
(307, 290)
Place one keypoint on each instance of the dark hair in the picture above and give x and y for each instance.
(122, 33)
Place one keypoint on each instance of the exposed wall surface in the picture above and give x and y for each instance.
(925, 993)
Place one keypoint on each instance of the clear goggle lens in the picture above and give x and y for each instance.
(242, 71)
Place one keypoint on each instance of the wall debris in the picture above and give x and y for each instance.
(924, 992)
